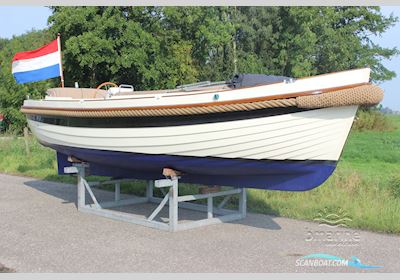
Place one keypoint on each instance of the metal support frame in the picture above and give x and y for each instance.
(169, 187)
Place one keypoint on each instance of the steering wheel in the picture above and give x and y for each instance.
(107, 85)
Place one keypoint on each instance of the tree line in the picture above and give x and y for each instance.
(162, 47)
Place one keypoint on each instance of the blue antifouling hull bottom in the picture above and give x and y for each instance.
(287, 175)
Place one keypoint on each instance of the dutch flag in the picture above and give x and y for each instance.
(40, 64)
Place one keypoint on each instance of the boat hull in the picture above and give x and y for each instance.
(296, 151)
(261, 174)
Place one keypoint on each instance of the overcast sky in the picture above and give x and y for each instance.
(16, 20)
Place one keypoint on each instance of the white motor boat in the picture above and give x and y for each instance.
(255, 131)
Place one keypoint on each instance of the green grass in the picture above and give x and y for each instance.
(41, 163)
(365, 185)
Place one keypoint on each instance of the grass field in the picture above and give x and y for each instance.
(365, 185)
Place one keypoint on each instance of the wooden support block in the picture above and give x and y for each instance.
(74, 159)
(168, 172)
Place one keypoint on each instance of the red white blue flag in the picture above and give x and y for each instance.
(40, 64)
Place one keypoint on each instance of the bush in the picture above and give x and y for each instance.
(371, 119)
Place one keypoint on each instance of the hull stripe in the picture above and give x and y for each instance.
(161, 121)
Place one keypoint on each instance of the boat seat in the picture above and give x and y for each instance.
(91, 93)
(77, 93)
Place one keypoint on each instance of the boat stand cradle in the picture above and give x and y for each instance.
(169, 187)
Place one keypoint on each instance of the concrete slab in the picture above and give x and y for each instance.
(41, 231)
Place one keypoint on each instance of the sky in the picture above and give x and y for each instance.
(35, 17)
(16, 20)
(390, 39)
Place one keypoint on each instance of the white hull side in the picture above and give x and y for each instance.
(310, 135)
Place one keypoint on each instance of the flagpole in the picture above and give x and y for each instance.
(61, 66)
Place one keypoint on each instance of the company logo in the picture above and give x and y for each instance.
(332, 229)
(320, 260)
(333, 219)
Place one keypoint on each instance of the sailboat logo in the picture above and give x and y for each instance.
(331, 219)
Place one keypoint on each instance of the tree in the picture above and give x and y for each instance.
(303, 41)
(339, 39)
(122, 44)
(155, 47)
